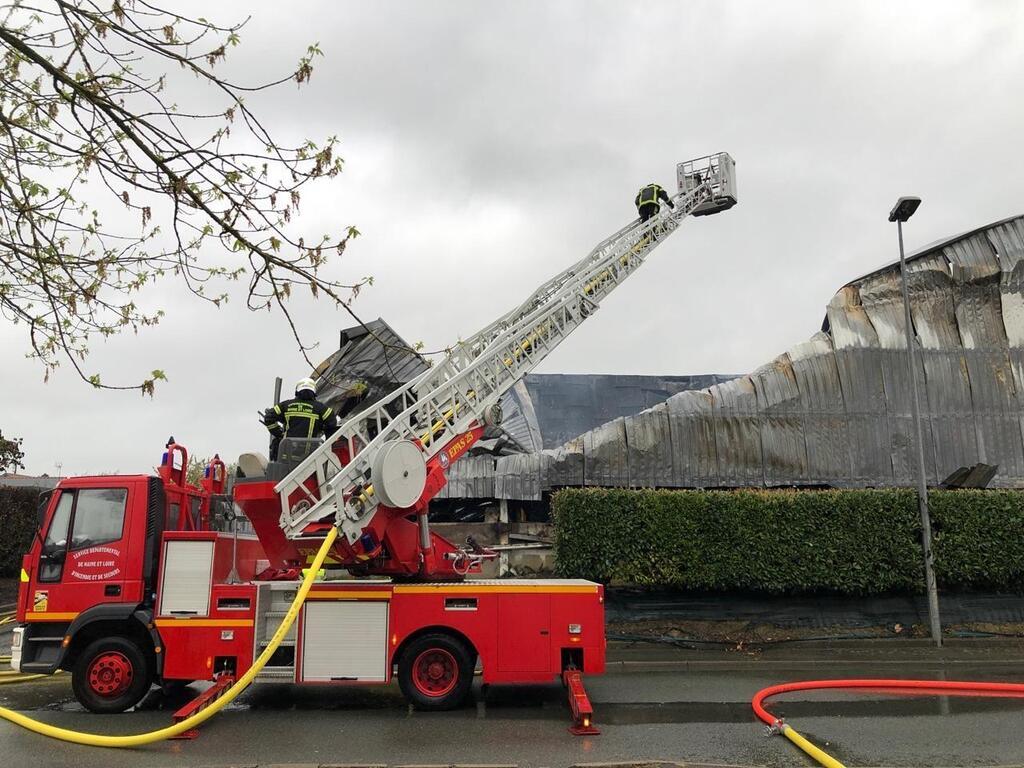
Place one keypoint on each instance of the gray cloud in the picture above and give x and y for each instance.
(489, 144)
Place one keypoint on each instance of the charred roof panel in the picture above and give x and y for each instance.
(837, 410)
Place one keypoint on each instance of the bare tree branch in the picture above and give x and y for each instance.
(89, 135)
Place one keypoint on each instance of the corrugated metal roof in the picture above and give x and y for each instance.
(938, 245)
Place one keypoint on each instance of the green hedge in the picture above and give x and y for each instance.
(18, 523)
(979, 539)
(859, 542)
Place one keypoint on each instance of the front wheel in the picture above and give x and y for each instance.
(435, 672)
(111, 675)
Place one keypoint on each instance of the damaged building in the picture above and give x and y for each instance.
(833, 411)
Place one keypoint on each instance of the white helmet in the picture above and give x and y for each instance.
(305, 385)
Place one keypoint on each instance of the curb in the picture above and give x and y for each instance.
(616, 764)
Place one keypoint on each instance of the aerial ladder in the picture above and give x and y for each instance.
(376, 475)
(173, 600)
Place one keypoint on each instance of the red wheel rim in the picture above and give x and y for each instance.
(110, 674)
(435, 672)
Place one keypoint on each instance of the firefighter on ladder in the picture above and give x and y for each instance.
(647, 201)
(303, 417)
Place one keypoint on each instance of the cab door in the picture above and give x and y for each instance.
(82, 561)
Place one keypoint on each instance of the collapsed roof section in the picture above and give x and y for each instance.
(373, 355)
(836, 409)
(543, 411)
(568, 405)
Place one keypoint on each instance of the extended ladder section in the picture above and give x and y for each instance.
(462, 392)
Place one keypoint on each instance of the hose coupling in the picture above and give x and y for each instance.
(775, 728)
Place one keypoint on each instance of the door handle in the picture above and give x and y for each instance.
(112, 590)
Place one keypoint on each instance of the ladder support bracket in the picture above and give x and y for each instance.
(579, 704)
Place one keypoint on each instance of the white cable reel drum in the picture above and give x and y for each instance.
(399, 473)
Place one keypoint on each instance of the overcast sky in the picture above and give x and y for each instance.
(490, 144)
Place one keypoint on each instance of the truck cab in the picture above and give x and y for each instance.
(88, 582)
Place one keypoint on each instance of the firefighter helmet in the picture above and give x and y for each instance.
(305, 385)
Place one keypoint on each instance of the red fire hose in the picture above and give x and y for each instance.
(916, 687)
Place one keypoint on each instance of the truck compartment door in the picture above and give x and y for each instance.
(344, 640)
(524, 633)
(187, 575)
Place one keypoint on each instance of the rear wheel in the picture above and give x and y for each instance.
(435, 672)
(111, 675)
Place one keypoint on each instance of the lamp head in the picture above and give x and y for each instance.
(904, 208)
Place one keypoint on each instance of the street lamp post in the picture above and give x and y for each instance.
(902, 211)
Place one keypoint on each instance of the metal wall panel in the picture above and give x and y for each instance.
(826, 428)
(518, 477)
(520, 418)
(997, 410)
(900, 417)
(563, 466)
(860, 373)
(692, 432)
(783, 447)
(649, 448)
(605, 456)
(737, 433)
(949, 413)
(471, 477)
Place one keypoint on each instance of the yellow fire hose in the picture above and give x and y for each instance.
(823, 757)
(918, 687)
(100, 740)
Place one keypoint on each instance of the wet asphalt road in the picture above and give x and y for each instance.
(671, 705)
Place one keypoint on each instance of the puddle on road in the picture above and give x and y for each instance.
(740, 712)
(536, 703)
(532, 703)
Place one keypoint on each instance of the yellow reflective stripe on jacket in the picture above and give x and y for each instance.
(301, 411)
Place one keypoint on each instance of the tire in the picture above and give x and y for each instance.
(111, 675)
(435, 672)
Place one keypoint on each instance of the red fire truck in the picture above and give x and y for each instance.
(129, 582)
